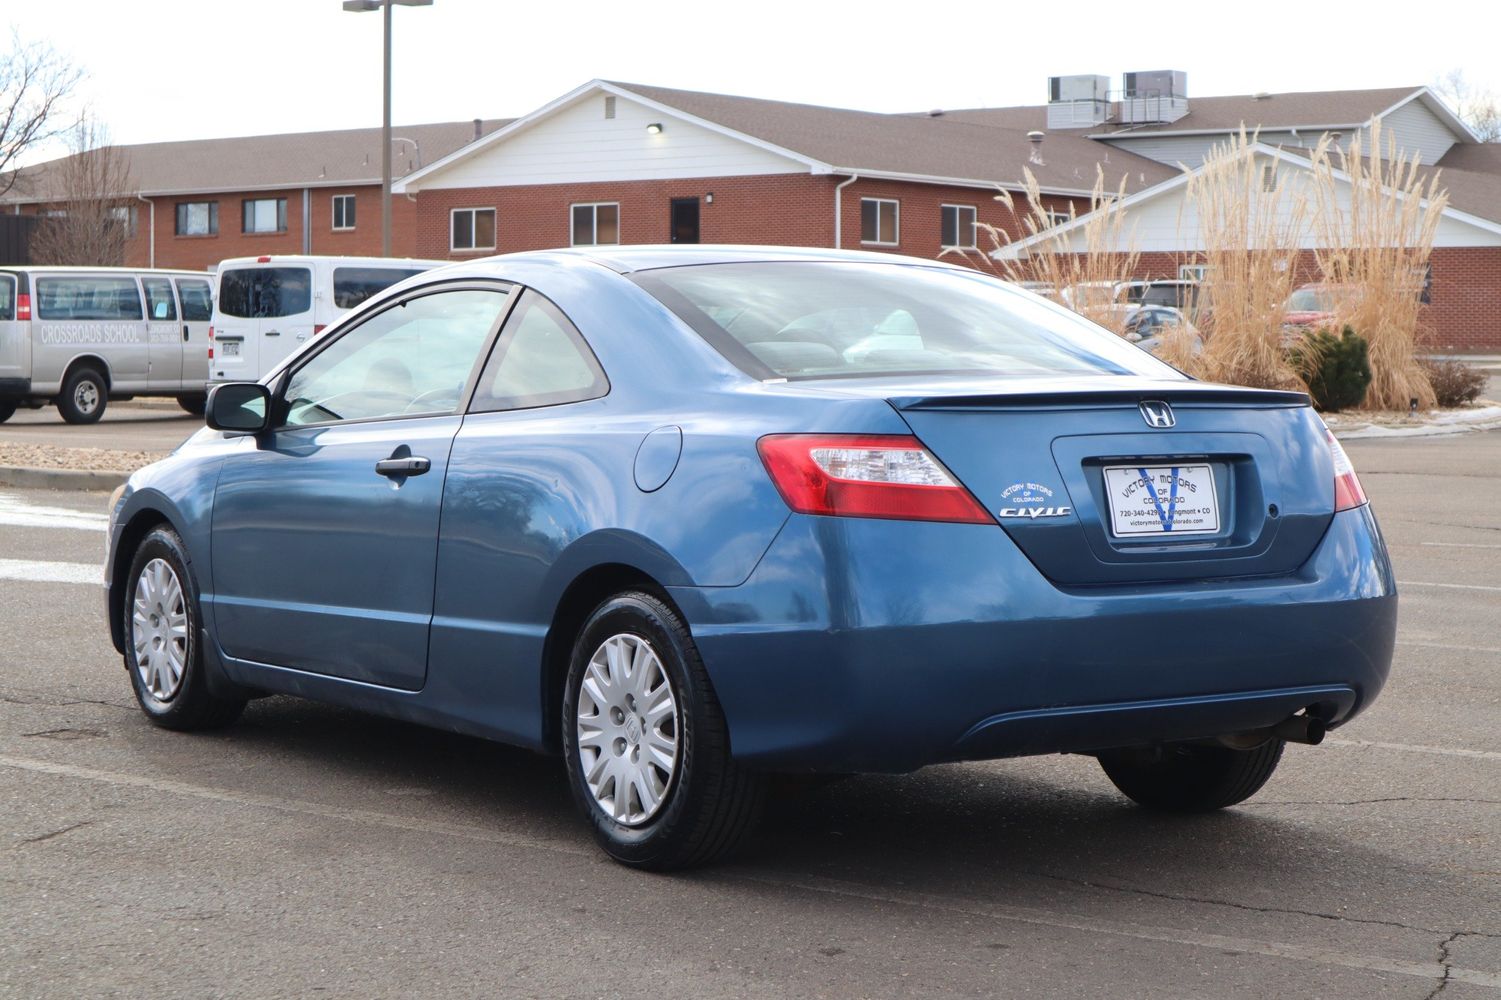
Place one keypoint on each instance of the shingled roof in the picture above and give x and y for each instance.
(264, 162)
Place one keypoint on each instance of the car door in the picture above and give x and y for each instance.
(325, 529)
(196, 297)
(163, 335)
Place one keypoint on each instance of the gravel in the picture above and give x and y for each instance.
(40, 456)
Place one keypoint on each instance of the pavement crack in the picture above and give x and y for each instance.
(1293, 911)
(1367, 802)
(56, 833)
(1445, 961)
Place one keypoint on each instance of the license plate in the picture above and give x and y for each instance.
(229, 348)
(1162, 500)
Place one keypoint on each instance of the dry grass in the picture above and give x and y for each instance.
(1375, 233)
(1250, 231)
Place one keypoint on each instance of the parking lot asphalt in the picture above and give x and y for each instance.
(313, 851)
(138, 425)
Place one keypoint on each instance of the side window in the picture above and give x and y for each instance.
(412, 359)
(353, 285)
(197, 300)
(159, 302)
(540, 360)
(7, 297)
(88, 298)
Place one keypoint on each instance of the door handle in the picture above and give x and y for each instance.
(185, 333)
(402, 467)
(273, 333)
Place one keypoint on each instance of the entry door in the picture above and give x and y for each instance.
(685, 220)
(325, 530)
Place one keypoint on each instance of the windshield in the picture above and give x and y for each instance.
(1310, 300)
(827, 319)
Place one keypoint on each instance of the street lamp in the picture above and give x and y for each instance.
(362, 6)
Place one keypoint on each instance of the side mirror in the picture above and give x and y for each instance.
(238, 406)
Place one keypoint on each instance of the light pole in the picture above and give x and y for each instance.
(361, 6)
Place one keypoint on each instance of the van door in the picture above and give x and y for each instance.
(196, 298)
(15, 345)
(263, 313)
(163, 334)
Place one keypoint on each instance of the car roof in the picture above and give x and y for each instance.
(625, 259)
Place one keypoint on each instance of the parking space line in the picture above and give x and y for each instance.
(1460, 545)
(1447, 586)
(40, 571)
(16, 512)
(1431, 970)
(1449, 645)
(1415, 748)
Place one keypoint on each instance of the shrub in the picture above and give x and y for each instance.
(1336, 368)
(1454, 382)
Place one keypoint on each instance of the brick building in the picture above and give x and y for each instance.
(198, 202)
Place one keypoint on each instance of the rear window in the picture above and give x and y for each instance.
(265, 292)
(827, 319)
(353, 285)
(99, 298)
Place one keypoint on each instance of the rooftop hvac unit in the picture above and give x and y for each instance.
(1157, 83)
(1152, 97)
(1078, 101)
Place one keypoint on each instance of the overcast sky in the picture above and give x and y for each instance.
(192, 69)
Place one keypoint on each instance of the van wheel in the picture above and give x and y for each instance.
(1191, 778)
(7, 410)
(646, 744)
(193, 404)
(83, 398)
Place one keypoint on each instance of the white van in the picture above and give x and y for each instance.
(81, 336)
(267, 307)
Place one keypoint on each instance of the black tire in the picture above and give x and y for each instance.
(1191, 778)
(190, 703)
(7, 410)
(193, 404)
(84, 396)
(710, 803)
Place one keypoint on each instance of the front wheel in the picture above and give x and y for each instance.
(162, 651)
(1191, 777)
(84, 397)
(646, 744)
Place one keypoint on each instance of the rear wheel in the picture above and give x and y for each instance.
(1188, 778)
(7, 410)
(162, 651)
(84, 397)
(646, 744)
(193, 404)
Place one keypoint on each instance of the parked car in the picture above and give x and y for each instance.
(266, 307)
(1149, 325)
(689, 516)
(1316, 306)
(1178, 294)
(78, 337)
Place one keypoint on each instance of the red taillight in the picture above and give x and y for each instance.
(866, 475)
(23, 306)
(263, 260)
(319, 328)
(1347, 491)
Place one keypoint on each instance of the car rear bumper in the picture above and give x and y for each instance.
(881, 645)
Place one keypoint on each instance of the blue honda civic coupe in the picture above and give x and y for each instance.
(693, 516)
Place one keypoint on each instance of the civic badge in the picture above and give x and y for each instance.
(1157, 414)
(1031, 500)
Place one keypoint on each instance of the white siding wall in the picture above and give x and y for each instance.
(1417, 130)
(1190, 150)
(1168, 223)
(579, 144)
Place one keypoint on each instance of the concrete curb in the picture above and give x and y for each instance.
(61, 479)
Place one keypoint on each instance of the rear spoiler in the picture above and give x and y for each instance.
(1210, 396)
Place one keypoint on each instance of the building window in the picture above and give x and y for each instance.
(264, 215)
(198, 218)
(958, 227)
(124, 216)
(1057, 218)
(472, 229)
(343, 211)
(596, 224)
(880, 221)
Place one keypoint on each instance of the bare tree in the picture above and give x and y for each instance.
(91, 201)
(35, 84)
(1476, 107)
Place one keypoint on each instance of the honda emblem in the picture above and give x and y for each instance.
(1157, 413)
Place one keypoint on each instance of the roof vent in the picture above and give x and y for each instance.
(479, 128)
(1261, 95)
(1035, 138)
(936, 113)
(610, 106)
(1078, 101)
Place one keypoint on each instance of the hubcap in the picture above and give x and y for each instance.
(627, 729)
(86, 397)
(159, 630)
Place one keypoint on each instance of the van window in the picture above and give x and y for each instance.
(265, 292)
(197, 301)
(101, 297)
(7, 298)
(353, 285)
(159, 302)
